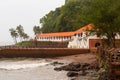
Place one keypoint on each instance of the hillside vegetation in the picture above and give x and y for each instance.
(64, 18)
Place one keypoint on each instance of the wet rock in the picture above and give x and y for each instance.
(72, 67)
(76, 69)
(69, 67)
(57, 69)
(75, 66)
(56, 63)
(72, 74)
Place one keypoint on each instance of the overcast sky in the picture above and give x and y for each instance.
(24, 12)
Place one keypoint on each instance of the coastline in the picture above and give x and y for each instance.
(69, 62)
(46, 72)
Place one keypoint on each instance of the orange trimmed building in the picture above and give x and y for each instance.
(75, 39)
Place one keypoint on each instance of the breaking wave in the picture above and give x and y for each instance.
(24, 64)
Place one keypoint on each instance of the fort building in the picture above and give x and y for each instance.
(76, 39)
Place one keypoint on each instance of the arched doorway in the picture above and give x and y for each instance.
(97, 44)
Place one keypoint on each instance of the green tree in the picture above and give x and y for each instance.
(25, 36)
(105, 15)
(65, 18)
(20, 31)
(69, 20)
(49, 21)
(13, 34)
(36, 29)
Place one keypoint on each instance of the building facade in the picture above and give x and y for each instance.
(76, 39)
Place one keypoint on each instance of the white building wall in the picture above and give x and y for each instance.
(58, 39)
(81, 41)
(77, 41)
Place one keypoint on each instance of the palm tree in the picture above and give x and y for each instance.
(36, 29)
(20, 31)
(13, 34)
(25, 36)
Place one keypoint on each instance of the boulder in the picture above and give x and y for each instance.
(56, 63)
(72, 74)
(75, 66)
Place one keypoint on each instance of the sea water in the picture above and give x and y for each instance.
(15, 64)
(29, 69)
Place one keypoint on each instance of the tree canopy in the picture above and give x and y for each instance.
(14, 34)
(21, 32)
(49, 21)
(18, 32)
(36, 29)
(105, 15)
(65, 18)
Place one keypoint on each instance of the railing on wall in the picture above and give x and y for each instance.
(18, 47)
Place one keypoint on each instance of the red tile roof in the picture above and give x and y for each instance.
(85, 28)
(56, 34)
(62, 34)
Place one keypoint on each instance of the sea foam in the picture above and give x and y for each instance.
(15, 65)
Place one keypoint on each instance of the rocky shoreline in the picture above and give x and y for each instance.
(78, 70)
(73, 67)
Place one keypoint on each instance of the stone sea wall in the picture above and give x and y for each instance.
(40, 52)
(49, 44)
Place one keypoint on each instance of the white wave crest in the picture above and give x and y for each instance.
(16, 66)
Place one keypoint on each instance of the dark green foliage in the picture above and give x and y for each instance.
(18, 32)
(49, 21)
(14, 34)
(21, 33)
(105, 15)
(24, 43)
(36, 30)
(65, 18)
